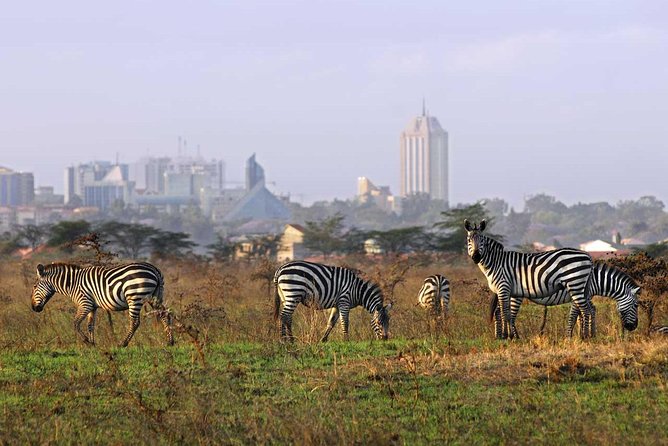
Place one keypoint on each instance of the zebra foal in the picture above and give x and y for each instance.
(517, 274)
(434, 295)
(327, 287)
(112, 288)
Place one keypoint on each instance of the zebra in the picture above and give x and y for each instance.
(435, 294)
(605, 280)
(663, 330)
(511, 273)
(112, 288)
(327, 287)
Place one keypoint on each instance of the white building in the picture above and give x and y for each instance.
(424, 158)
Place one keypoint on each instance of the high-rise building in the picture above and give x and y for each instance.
(424, 158)
(254, 173)
(98, 184)
(16, 188)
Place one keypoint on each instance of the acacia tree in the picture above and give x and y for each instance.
(32, 235)
(325, 236)
(395, 241)
(64, 232)
(170, 244)
(131, 239)
(222, 250)
(454, 238)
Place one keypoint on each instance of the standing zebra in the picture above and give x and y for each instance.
(511, 273)
(435, 294)
(605, 280)
(112, 288)
(324, 287)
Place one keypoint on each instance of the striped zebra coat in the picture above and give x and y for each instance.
(511, 273)
(327, 287)
(606, 281)
(435, 294)
(112, 288)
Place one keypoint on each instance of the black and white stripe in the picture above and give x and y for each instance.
(325, 287)
(512, 273)
(435, 294)
(112, 288)
(605, 281)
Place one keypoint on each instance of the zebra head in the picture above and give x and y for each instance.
(627, 306)
(42, 291)
(381, 321)
(475, 241)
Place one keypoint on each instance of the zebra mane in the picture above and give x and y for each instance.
(57, 265)
(623, 276)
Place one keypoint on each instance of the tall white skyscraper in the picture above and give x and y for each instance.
(424, 158)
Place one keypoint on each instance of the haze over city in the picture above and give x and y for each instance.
(568, 99)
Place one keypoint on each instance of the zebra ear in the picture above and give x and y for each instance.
(483, 225)
(635, 290)
(40, 270)
(467, 224)
(388, 306)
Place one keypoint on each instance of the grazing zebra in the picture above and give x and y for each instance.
(511, 273)
(435, 294)
(606, 281)
(324, 287)
(662, 330)
(112, 288)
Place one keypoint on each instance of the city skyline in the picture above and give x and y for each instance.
(567, 100)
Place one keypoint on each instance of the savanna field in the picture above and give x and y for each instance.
(229, 379)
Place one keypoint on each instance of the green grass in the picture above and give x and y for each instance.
(398, 392)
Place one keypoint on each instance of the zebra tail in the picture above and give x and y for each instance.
(493, 305)
(277, 303)
(159, 291)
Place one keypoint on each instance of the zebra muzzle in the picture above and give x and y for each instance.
(37, 308)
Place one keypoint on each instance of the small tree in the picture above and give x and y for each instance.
(64, 232)
(131, 239)
(32, 235)
(222, 250)
(325, 236)
(454, 238)
(169, 244)
(401, 240)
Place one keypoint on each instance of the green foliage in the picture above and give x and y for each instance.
(222, 250)
(32, 235)
(129, 239)
(325, 236)
(402, 240)
(454, 238)
(167, 244)
(64, 232)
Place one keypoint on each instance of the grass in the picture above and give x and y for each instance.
(242, 386)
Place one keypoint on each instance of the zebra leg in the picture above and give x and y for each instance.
(286, 324)
(333, 317)
(498, 325)
(134, 310)
(81, 314)
(515, 303)
(91, 327)
(344, 311)
(573, 316)
(506, 318)
(166, 319)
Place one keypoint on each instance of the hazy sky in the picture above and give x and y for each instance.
(567, 98)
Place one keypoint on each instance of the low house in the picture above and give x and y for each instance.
(292, 244)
